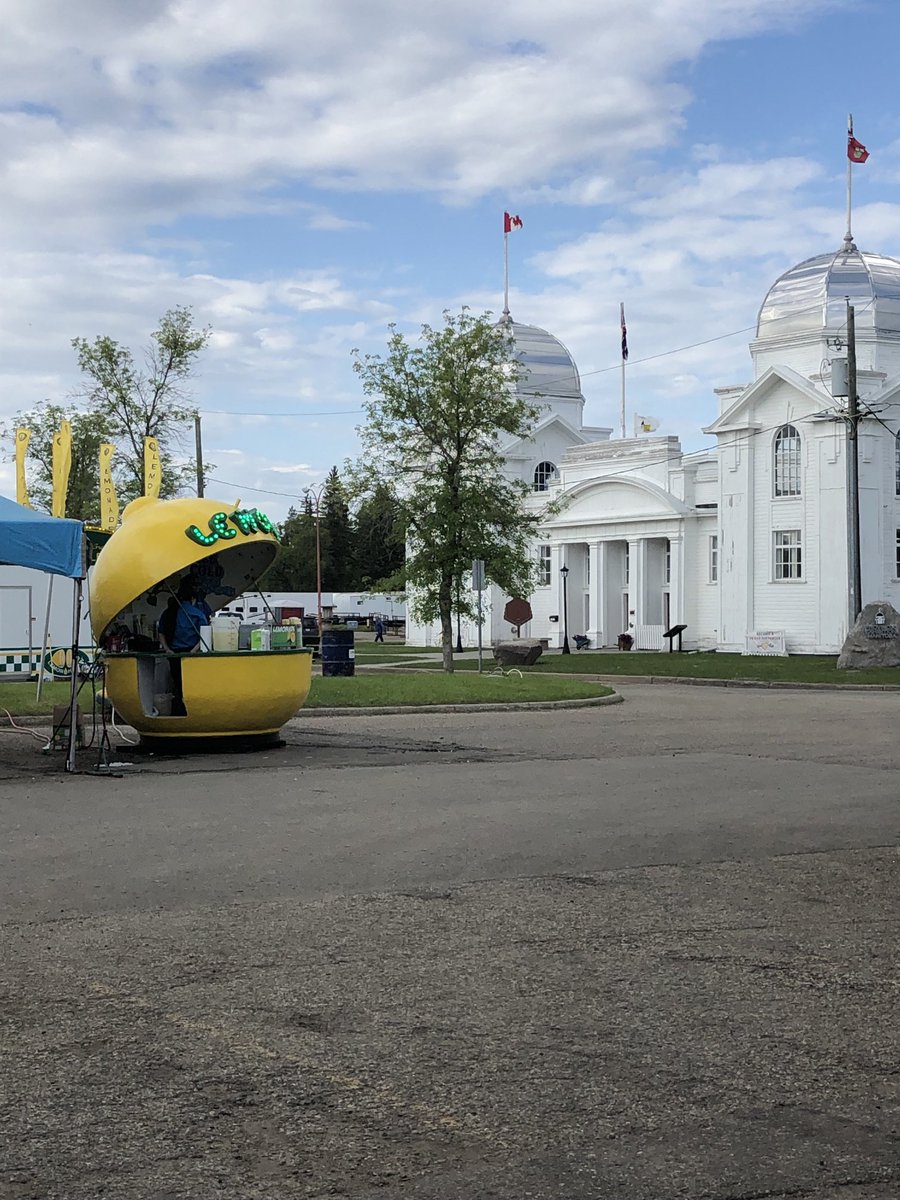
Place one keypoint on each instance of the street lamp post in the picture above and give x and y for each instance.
(564, 571)
(315, 495)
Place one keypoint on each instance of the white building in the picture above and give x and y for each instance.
(745, 537)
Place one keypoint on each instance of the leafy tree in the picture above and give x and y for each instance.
(434, 419)
(88, 432)
(136, 402)
(337, 534)
(295, 568)
(380, 542)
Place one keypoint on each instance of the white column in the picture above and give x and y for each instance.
(676, 579)
(637, 579)
(557, 558)
(595, 603)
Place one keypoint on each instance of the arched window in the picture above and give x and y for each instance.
(897, 465)
(787, 461)
(544, 474)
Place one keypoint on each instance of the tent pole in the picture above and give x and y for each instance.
(43, 649)
(73, 701)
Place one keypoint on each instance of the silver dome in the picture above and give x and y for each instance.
(551, 370)
(813, 295)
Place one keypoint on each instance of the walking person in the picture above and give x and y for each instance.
(379, 629)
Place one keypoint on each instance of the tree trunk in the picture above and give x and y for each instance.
(445, 607)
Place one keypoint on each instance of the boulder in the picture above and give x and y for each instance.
(874, 641)
(523, 652)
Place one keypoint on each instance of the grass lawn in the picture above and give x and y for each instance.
(369, 691)
(389, 651)
(359, 691)
(18, 698)
(800, 668)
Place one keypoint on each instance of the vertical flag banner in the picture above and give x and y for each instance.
(109, 502)
(152, 468)
(23, 437)
(856, 151)
(61, 469)
(624, 332)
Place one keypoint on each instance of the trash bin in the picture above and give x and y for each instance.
(338, 655)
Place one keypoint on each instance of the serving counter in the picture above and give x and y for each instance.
(241, 694)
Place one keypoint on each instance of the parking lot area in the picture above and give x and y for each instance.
(640, 952)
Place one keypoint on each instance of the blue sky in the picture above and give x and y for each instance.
(303, 175)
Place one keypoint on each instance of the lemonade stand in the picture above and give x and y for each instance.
(224, 692)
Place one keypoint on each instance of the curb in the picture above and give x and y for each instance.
(399, 709)
(774, 684)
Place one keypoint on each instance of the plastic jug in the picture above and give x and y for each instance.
(225, 634)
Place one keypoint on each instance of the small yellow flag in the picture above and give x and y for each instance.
(152, 468)
(109, 502)
(62, 467)
(23, 436)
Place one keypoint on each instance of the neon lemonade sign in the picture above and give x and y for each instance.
(225, 526)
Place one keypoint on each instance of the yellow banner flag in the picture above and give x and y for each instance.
(62, 467)
(152, 468)
(23, 436)
(109, 501)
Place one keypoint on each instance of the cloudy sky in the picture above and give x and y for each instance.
(303, 174)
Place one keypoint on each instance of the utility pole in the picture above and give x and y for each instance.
(198, 443)
(854, 564)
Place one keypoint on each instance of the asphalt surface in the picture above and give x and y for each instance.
(638, 953)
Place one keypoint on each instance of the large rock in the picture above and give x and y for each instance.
(874, 641)
(523, 652)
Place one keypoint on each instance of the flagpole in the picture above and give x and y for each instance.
(505, 274)
(624, 360)
(623, 397)
(848, 236)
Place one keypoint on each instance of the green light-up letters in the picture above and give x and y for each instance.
(243, 520)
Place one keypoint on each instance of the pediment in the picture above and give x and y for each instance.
(615, 498)
(740, 414)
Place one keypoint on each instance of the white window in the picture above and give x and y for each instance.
(714, 558)
(543, 566)
(898, 554)
(788, 560)
(668, 561)
(787, 461)
(897, 465)
(545, 473)
(627, 564)
(587, 567)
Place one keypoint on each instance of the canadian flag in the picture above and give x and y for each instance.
(511, 223)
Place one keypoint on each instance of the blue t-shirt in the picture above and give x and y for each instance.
(187, 624)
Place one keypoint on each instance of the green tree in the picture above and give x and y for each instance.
(295, 568)
(150, 401)
(338, 535)
(435, 416)
(88, 432)
(380, 542)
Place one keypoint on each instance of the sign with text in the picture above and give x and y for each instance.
(768, 641)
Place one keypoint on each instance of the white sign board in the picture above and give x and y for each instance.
(768, 641)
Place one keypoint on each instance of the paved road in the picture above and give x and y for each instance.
(635, 952)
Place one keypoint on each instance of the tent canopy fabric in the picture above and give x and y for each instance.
(32, 539)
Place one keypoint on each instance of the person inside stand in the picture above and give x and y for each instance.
(379, 629)
(179, 633)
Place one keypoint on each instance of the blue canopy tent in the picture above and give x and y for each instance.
(54, 545)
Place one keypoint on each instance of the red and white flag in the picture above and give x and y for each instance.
(510, 223)
(856, 151)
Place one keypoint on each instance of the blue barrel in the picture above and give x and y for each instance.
(338, 655)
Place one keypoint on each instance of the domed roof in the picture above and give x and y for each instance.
(551, 368)
(813, 295)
